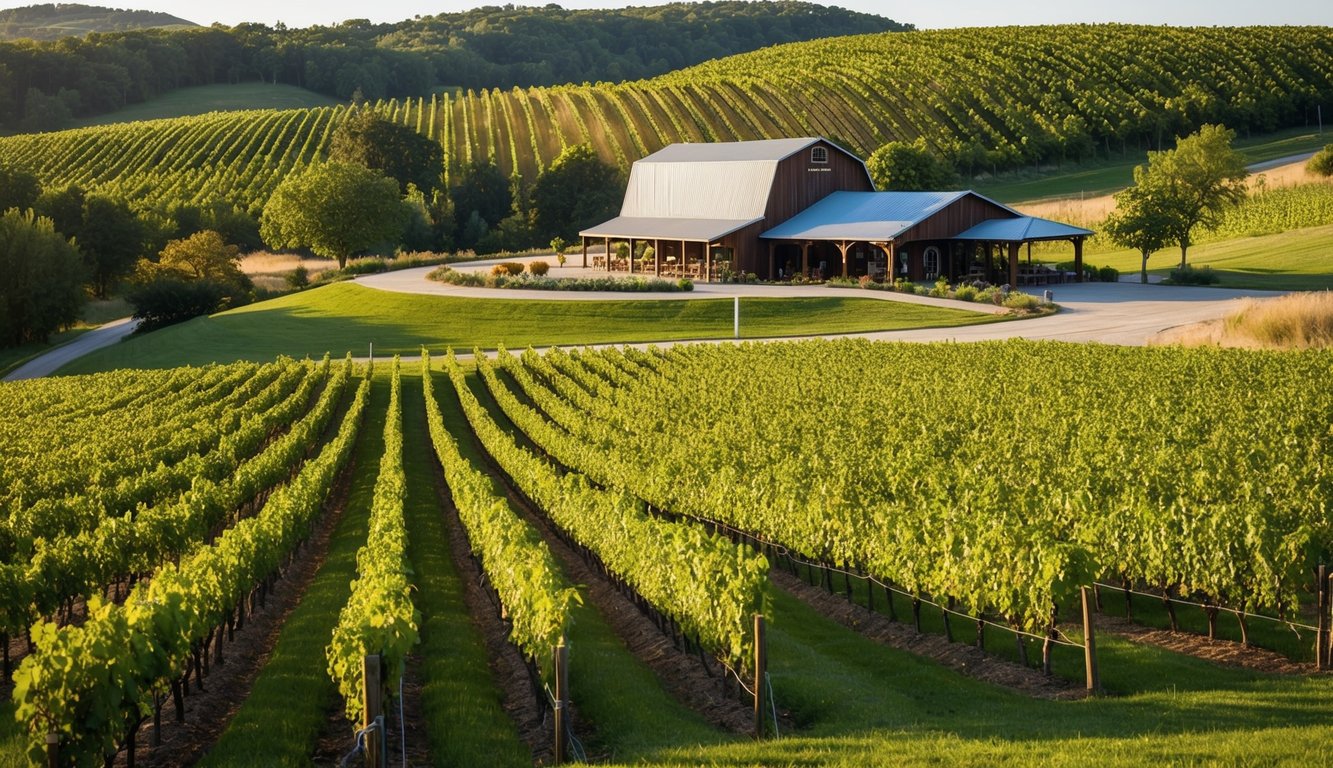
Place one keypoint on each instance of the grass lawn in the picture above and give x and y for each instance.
(1300, 260)
(213, 98)
(345, 317)
(1103, 176)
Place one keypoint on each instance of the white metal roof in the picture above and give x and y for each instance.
(770, 150)
(694, 230)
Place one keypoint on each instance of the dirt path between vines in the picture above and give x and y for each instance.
(960, 657)
(208, 712)
(1227, 653)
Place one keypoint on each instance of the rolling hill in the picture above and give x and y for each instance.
(54, 21)
(987, 99)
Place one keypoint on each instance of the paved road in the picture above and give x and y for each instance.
(1111, 313)
(1269, 165)
(47, 364)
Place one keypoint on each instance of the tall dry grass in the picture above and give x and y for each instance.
(1295, 321)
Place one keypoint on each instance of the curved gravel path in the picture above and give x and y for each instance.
(49, 362)
(1111, 313)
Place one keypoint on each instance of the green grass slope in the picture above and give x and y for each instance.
(346, 317)
(215, 98)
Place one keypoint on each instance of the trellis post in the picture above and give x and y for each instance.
(1094, 681)
(760, 673)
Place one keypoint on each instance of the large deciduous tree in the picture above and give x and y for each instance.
(111, 240)
(1141, 220)
(575, 192)
(1196, 182)
(18, 189)
(42, 288)
(334, 209)
(904, 166)
(365, 138)
(482, 190)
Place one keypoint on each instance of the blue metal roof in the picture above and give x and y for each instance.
(1022, 229)
(865, 216)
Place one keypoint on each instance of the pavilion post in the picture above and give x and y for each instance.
(1078, 259)
(684, 260)
(990, 263)
(1013, 265)
(805, 258)
(843, 247)
(657, 258)
(708, 263)
(631, 255)
(888, 259)
(771, 247)
(606, 261)
(585, 251)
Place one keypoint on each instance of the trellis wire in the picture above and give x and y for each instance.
(1206, 606)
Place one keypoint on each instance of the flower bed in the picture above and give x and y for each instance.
(528, 281)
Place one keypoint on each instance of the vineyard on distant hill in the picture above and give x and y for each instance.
(986, 99)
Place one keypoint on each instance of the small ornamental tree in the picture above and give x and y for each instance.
(1140, 221)
(904, 166)
(1197, 181)
(334, 209)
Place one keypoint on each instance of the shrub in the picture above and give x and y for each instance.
(298, 278)
(1322, 162)
(1188, 275)
(904, 286)
(368, 266)
(507, 268)
(168, 300)
(1108, 275)
(538, 268)
(685, 284)
(991, 294)
(1021, 301)
(941, 289)
(965, 293)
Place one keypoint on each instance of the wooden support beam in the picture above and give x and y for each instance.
(772, 246)
(684, 265)
(657, 258)
(843, 247)
(805, 258)
(1013, 266)
(585, 251)
(708, 263)
(1078, 259)
(606, 262)
(631, 255)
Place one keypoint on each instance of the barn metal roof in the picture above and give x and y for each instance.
(1022, 229)
(694, 230)
(865, 216)
(770, 150)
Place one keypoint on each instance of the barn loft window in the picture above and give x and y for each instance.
(819, 155)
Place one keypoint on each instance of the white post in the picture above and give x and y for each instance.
(736, 317)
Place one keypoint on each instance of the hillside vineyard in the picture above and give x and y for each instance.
(986, 99)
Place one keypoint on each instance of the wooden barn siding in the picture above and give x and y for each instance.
(796, 187)
(963, 214)
(751, 253)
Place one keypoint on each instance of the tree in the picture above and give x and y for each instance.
(1140, 221)
(366, 139)
(1322, 162)
(111, 240)
(64, 207)
(334, 209)
(18, 189)
(1196, 181)
(482, 189)
(904, 166)
(43, 285)
(202, 256)
(575, 192)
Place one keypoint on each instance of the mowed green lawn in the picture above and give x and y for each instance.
(1103, 177)
(1299, 260)
(345, 317)
(214, 98)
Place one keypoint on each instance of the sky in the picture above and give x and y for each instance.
(927, 15)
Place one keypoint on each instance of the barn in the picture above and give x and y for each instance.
(782, 207)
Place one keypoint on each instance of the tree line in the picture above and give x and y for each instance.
(381, 190)
(43, 85)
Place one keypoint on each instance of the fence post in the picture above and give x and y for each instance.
(1094, 681)
(561, 670)
(1321, 636)
(53, 750)
(371, 690)
(760, 672)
